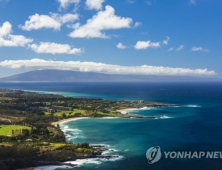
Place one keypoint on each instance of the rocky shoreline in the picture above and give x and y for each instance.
(98, 153)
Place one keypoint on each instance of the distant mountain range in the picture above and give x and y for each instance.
(75, 76)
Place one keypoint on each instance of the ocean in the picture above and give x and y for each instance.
(192, 125)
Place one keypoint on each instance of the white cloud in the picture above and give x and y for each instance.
(66, 3)
(40, 21)
(94, 4)
(14, 41)
(5, 29)
(54, 48)
(170, 49)
(54, 21)
(199, 49)
(166, 41)
(180, 48)
(146, 44)
(120, 46)
(137, 24)
(103, 20)
(9, 40)
(192, 2)
(102, 68)
(65, 18)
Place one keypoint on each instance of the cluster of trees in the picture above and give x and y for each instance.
(17, 156)
(20, 155)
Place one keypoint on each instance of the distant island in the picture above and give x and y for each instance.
(30, 134)
(76, 76)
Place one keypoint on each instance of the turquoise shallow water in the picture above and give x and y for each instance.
(195, 126)
(130, 138)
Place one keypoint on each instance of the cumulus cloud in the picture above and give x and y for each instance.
(94, 4)
(5, 29)
(180, 48)
(140, 45)
(53, 21)
(102, 68)
(199, 49)
(54, 48)
(166, 41)
(120, 46)
(9, 40)
(14, 41)
(66, 3)
(103, 20)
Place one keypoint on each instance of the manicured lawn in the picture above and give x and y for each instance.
(57, 145)
(54, 145)
(6, 130)
(70, 113)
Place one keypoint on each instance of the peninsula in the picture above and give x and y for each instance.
(29, 126)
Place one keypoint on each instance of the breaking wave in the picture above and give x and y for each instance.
(72, 133)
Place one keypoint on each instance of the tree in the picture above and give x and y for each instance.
(64, 115)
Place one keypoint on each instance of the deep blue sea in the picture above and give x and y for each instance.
(194, 126)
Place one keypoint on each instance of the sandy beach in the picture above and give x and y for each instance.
(68, 120)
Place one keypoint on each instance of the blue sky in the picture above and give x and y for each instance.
(170, 37)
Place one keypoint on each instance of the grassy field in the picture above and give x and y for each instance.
(5, 98)
(68, 113)
(54, 145)
(82, 113)
(6, 130)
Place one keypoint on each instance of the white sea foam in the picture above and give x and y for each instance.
(125, 111)
(72, 133)
(189, 105)
(192, 105)
(108, 151)
(80, 162)
(165, 117)
(52, 167)
(65, 127)
(102, 145)
(146, 108)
